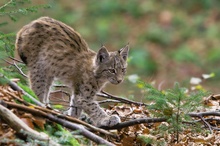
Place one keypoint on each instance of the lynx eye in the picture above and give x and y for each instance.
(123, 69)
(113, 71)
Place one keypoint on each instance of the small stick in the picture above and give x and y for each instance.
(108, 100)
(16, 60)
(19, 69)
(124, 100)
(206, 123)
(135, 122)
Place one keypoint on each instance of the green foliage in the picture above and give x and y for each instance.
(3, 80)
(146, 140)
(141, 59)
(60, 135)
(173, 104)
(13, 9)
(10, 73)
(58, 106)
(6, 45)
(29, 91)
(158, 35)
(185, 54)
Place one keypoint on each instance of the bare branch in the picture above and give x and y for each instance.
(16, 60)
(19, 69)
(153, 120)
(206, 123)
(5, 5)
(135, 122)
(124, 100)
(109, 100)
(212, 113)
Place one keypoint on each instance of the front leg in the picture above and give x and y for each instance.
(74, 110)
(98, 116)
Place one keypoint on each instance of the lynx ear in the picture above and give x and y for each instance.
(102, 55)
(124, 52)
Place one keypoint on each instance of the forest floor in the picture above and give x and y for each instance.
(138, 134)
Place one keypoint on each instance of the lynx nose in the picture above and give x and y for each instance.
(119, 81)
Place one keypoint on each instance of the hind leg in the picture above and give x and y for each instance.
(40, 84)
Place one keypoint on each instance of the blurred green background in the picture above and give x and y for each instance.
(170, 40)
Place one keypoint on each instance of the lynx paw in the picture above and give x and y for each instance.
(109, 121)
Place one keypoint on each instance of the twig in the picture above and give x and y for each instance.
(5, 5)
(16, 60)
(60, 91)
(206, 123)
(108, 100)
(124, 100)
(215, 128)
(19, 126)
(135, 122)
(212, 113)
(19, 69)
(59, 120)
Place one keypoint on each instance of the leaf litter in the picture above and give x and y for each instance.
(137, 135)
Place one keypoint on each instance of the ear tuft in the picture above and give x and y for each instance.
(124, 52)
(102, 55)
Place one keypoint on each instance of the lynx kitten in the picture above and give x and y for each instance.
(51, 49)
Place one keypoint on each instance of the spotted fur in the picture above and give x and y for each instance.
(51, 49)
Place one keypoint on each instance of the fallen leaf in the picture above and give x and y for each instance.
(128, 141)
(28, 122)
(146, 131)
(40, 122)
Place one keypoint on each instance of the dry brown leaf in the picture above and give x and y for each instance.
(28, 122)
(40, 122)
(128, 141)
(137, 111)
(123, 110)
(27, 115)
(211, 103)
(202, 139)
(146, 131)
